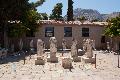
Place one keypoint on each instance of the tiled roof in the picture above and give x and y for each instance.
(100, 23)
(72, 22)
(66, 22)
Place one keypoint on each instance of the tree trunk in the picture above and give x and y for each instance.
(5, 36)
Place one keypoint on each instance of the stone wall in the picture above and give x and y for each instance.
(95, 32)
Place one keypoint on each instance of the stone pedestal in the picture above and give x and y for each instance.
(39, 61)
(67, 63)
(52, 59)
(77, 59)
(88, 60)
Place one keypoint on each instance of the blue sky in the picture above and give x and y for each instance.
(103, 6)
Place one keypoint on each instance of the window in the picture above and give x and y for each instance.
(49, 32)
(85, 32)
(103, 39)
(67, 31)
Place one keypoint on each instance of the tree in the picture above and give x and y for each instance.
(11, 10)
(20, 10)
(113, 28)
(82, 18)
(95, 20)
(70, 10)
(27, 25)
(39, 3)
(36, 4)
(44, 16)
(57, 12)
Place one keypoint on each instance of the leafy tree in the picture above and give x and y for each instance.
(70, 10)
(20, 10)
(30, 17)
(28, 25)
(11, 10)
(39, 3)
(16, 30)
(57, 12)
(29, 21)
(82, 18)
(36, 4)
(113, 28)
(95, 20)
(44, 16)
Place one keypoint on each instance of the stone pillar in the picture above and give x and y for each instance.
(74, 48)
(40, 47)
(84, 44)
(64, 44)
(108, 46)
(31, 44)
(93, 44)
(74, 51)
(31, 47)
(40, 52)
(20, 45)
(88, 58)
(53, 50)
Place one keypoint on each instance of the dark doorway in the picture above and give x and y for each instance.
(103, 39)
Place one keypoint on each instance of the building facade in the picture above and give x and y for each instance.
(69, 30)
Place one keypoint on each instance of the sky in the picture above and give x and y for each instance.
(103, 6)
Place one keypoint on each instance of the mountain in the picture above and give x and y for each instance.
(104, 17)
(91, 15)
(109, 16)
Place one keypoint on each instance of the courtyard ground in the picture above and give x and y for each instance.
(106, 69)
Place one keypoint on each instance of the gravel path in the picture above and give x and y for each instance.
(106, 69)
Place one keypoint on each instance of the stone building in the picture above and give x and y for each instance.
(72, 29)
(69, 30)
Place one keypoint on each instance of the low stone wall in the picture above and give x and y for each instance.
(26, 43)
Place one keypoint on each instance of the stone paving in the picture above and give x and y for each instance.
(106, 69)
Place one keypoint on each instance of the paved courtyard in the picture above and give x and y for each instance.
(106, 69)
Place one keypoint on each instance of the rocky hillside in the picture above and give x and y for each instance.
(109, 16)
(91, 14)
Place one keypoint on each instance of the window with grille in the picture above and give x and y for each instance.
(49, 32)
(67, 31)
(85, 32)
